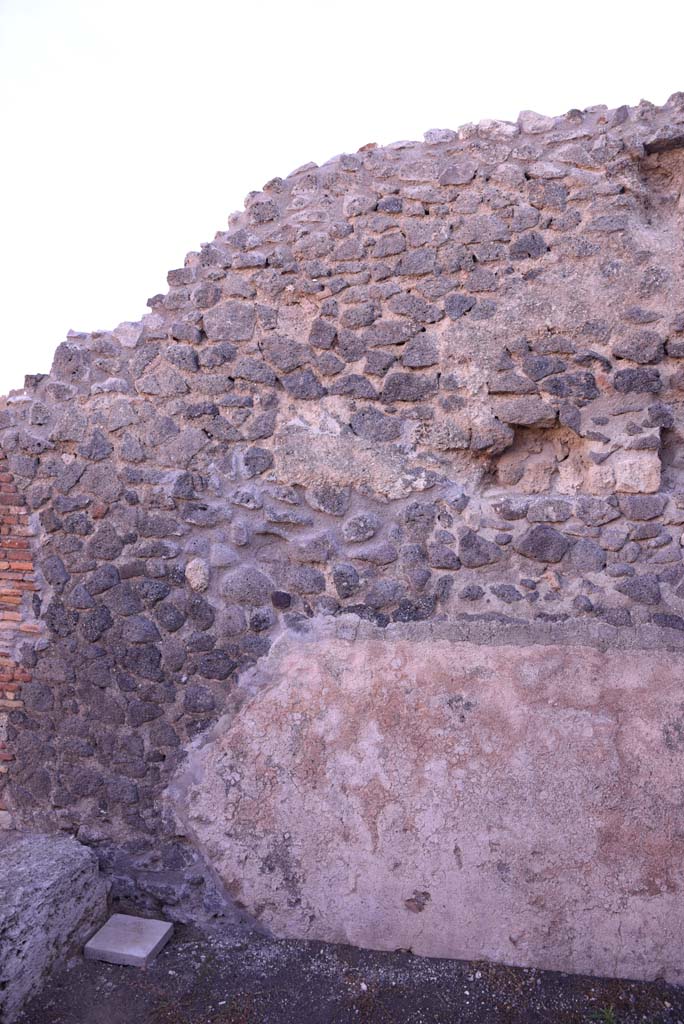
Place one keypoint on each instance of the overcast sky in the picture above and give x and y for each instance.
(131, 129)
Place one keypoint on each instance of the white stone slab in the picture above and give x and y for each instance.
(124, 939)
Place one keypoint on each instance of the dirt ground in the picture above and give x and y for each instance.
(200, 980)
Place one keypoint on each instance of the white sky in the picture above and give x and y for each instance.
(131, 129)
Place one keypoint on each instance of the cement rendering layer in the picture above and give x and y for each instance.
(515, 803)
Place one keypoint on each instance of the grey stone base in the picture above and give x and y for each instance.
(52, 898)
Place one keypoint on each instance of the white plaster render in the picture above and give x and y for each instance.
(515, 803)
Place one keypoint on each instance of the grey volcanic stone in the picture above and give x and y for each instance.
(304, 579)
(284, 353)
(353, 385)
(475, 551)
(587, 556)
(141, 711)
(256, 461)
(528, 246)
(248, 586)
(642, 506)
(645, 347)
(377, 554)
(328, 498)
(643, 589)
(408, 387)
(668, 621)
(458, 304)
(170, 617)
(230, 321)
(139, 630)
(458, 173)
(216, 665)
(106, 544)
(596, 511)
(627, 381)
(104, 578)
(52, 899)
(507, 593)
(123, 600)
(199, 699)
(549, 510)
(389, 332)
(538, 367)
(375, 425)
(440, 556)
(511, 508)
(96, 622)
(543, 543)
(322, 334)
(413, 306)
(361, 527)
(526, 412)
(346, 580)
(303, 384)
(420, 352)
(54, 570)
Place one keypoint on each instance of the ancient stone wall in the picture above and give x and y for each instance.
(432, 382)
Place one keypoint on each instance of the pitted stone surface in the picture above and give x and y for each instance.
(52, 898)
(514, 803)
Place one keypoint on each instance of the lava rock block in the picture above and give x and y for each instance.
(542, 543)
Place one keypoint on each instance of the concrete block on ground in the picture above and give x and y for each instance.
(124, 939)
(51, 899)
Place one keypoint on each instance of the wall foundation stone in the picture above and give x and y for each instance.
(52, 898)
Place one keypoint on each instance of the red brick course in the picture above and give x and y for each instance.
(16, 582)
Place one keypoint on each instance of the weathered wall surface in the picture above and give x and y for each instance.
(52, 899)
(433, 382)
(519, 803)
(17, 619)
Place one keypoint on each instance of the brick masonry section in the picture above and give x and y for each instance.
(17, 584)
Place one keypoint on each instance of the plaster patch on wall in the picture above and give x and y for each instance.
(515, 803)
